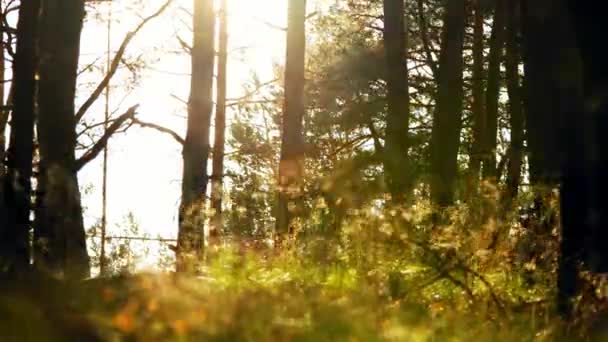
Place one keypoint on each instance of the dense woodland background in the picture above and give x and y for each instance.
(417, 169)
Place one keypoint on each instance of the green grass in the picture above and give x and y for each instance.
(287, 297)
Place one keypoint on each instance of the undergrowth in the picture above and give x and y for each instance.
(391, 275)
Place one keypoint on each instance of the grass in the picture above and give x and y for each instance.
(382, 279)
(287, 297)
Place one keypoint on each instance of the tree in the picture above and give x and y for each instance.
(4, 111)
(514, 90)
(196, 147)
(17, 185)
(584, 205)
(497, 41)
(59, 230)
(447, 118)
(398, 111)
(478, 106)
(220, 122)
(551, 95)
(291, 162)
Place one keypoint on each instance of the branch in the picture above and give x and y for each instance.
(185, 46)
(273, 26)
(103, 141)
(161, 129)
(425, 39)
(377, 144)
(251, 92)
(116, 62)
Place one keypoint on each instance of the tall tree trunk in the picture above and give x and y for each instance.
(220, 124)
(447, 119)
(479, 113)
(514, 89)
(584, 205)
(558, 136)
(15, 234)
(191, 235)
(291, 165)
(397, 170)
(497, 42)
(59, 230)
(551, 94)
(4, 111)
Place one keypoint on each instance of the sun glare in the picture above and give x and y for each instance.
(256, 43)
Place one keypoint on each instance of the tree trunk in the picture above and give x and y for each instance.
(397, 170)
(4, 111)
(220, 125)
(191, 236)
(512, 61)
(15, 233)
(479, 113)
(447, 119)
(551, 93)
(497, 42)
(584, 205)
(291, 165)
(558, 136)
(59, 230)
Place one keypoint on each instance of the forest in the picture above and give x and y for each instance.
(374, 170)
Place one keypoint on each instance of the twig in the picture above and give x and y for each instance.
(116, 62)
(103, 141)
(161, 129)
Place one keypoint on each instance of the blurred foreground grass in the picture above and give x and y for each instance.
(286, 297)
(389, 276)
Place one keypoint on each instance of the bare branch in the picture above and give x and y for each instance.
(103, 141)
(161, 129)
(425, 39)
(185, 46)
(182, 101)
(116, 62)
(252, 92)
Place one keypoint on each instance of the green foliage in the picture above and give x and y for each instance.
(391, 275)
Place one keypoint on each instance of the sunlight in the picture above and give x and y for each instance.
(256, 44)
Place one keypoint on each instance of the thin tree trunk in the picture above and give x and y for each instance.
(479, 113)
(191, 237)
(447, 120)
(220, 125)
(4, 111)
(15, 236)
(396, 166)
(514, 89)
(497, 42)
(103, 263)
(59, 230)
(291, 165)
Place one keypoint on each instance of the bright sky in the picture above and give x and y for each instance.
(145, 165)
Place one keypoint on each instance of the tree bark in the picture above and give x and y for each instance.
(396, 163)
(4, 111)
(60, 242)
(191, 237)
(497, 42)
(560, 140)
(479, 113)
(291, 165)
(447, 119)
(18, 187)
(552, 78)
(220, 125)
(514, 89)
(584, 205)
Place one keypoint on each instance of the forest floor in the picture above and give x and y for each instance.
(289, 296)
